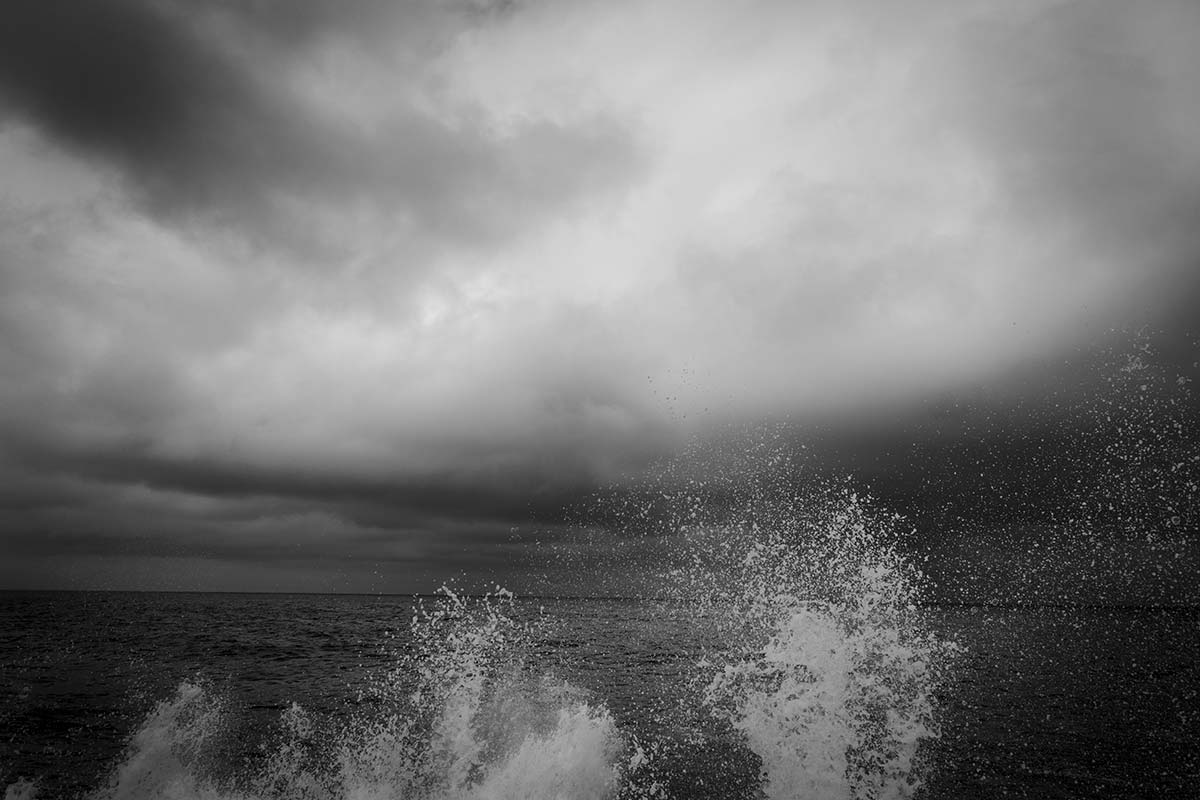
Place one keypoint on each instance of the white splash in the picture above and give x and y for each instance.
(825, 670)
(466, 720)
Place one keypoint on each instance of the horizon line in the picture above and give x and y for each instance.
(519, 596)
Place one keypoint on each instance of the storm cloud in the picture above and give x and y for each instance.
(409, 275)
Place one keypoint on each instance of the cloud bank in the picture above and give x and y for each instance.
(404, 270)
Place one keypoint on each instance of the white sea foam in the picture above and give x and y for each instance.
(21, 789)
(836, 703)
(822, 672)
(480, 724)
(823, 667)
(464, 720)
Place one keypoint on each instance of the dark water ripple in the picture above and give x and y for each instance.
(1043, 702)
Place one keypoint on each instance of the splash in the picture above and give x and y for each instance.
(167, 752)
(465, 719)
(823, 668)
(22, 789)
(836, 702)
(1088, 495)
(816, 678)
(479, 723)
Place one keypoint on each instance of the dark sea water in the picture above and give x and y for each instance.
(1044, 702)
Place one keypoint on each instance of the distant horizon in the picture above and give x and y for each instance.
(622, 598)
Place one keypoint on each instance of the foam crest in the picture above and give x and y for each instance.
(464, 718)
(823, 667)
(21, 789)
(478, 722)
(165, 757)
(835, 704)
(575, 759)
(817, 680)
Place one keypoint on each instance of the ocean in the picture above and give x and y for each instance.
(112, 694)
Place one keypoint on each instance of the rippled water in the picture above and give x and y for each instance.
(1042, 702)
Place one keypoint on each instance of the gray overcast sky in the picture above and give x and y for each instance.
(307, 294)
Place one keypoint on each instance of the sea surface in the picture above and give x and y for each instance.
(174, 694)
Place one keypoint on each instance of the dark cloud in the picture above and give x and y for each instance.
(305, 21)
(123, 78)
(135, 514)
(328, 280)
(207, 130)
(514, 495)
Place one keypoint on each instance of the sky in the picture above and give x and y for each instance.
(303, 295)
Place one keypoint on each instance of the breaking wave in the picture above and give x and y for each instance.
(814, 673)
(462, 718)
(823, 667)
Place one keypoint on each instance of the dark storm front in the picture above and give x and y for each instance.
(1043, 702)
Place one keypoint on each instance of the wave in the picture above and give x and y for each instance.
(463, 718)
(824, 670)
(817, 671)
